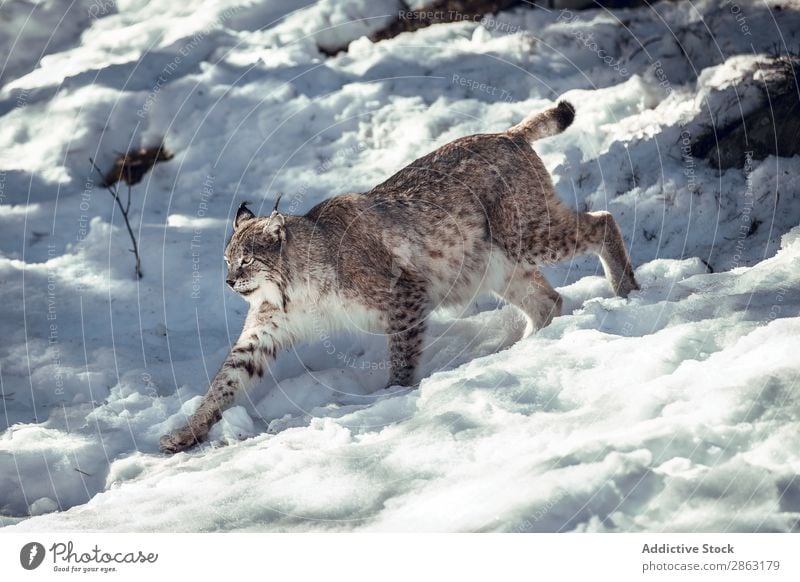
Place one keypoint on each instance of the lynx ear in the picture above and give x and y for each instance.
(275, 226)
(241, 215)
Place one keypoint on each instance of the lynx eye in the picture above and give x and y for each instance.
(247, 261)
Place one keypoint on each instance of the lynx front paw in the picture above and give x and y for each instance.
(180, 440)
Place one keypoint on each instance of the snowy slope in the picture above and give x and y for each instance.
(673, 410)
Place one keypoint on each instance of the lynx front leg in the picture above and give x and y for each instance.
(248, 359)
(406, 329)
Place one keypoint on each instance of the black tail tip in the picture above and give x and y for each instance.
(565, 114)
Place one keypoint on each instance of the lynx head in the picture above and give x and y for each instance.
(254, 255)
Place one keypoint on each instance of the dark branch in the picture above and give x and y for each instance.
(112, 189)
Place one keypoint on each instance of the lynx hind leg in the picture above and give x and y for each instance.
(600, 235)
(528, 290)
(406, 330)
(590, 233)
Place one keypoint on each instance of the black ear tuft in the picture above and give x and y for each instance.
(241, 215)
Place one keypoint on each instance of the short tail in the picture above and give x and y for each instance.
(545, 123)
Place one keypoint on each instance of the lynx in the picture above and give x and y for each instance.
(477, 215)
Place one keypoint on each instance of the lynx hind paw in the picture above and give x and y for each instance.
(178, 441)
(627, 286)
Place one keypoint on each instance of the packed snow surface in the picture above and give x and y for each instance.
(675, 409)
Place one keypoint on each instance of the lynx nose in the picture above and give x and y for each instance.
(230, 282)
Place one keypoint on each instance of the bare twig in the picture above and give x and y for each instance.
(128, 181)
(112, 189)
(82, 472)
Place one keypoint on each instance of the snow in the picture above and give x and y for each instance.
(673, 410)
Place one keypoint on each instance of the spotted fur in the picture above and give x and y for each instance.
(477, 215)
